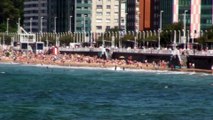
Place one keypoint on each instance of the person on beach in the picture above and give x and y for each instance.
(115, 67)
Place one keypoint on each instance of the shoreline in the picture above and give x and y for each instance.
(112, 68)
(76, 60)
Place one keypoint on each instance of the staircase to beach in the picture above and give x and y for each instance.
(184, 60)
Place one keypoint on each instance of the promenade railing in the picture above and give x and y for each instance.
(121, 50)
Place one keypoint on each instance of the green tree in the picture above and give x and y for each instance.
(66, 40)
(12, 9)
(207, 36)
(168, 33)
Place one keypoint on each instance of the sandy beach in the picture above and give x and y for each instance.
(75, 60)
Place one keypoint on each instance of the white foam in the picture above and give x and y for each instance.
(118, 69)
(2, 72)
(7, 63)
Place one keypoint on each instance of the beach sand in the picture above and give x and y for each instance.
(150, 67)
(87, 61)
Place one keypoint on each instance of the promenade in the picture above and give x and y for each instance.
(138, 50)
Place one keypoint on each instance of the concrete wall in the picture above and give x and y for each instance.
(201, 62)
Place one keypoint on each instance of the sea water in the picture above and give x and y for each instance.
(42, 93)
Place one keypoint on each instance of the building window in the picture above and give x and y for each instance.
(108, 13)
(107, 20)
(108, 7)
(98, 20)
(78, 1)
(107, 27)
(99, 6)
(99, 13)
(99, 27)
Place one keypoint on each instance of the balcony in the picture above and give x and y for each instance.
(84, 5)
(86, 11)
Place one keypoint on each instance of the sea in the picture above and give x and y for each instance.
(40, 92)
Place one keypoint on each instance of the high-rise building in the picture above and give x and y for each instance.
(35, 12)
(62, 15)
(149, 14)
(132, 15)
(199, 14)
(83, 15)
(105, 15)
(70, 15)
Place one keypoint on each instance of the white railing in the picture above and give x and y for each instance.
(122, 50)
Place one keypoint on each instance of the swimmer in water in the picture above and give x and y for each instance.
(115, 67)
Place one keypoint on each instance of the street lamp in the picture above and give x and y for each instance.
(70, 24)
(161, 12)
(201, 33)
(184, 23)
(135, 42)
(175, 38)
(84, 28)
(160, 28)
(179, 36)
(19, 23)
(84, 23)
(41, 23)
(188, 38)
(144, 35)
(138, 21)
(126, 23)
(55, 29)
(31, 19)
(7, 25)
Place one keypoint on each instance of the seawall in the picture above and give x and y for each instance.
(200, 62)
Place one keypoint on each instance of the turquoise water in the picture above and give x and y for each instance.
(40, 93)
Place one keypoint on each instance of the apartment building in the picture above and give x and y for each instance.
(132, 15)
(35, 15)
(69, 15)
(60, 15)
(198, 14)
(149, 14)
(105, 15)
(82, 20)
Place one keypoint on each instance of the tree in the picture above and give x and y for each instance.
(168, 33)
(12, 9)
(207, 37)
(66, 40)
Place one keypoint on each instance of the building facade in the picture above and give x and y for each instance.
(132, 15)
(82, 15)
(60, 14)
(35, 15)
(76, 15)
(69, 15)
(199, 14)
(105, 15)
(149, 14)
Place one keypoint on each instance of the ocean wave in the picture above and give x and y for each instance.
(117, 69)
